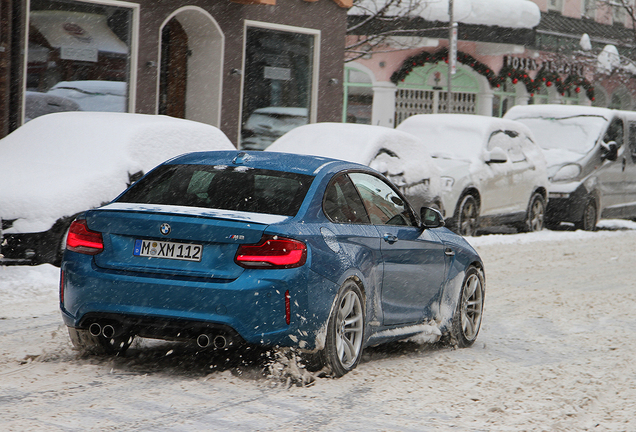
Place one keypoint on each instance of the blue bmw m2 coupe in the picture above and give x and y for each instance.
(228, 248)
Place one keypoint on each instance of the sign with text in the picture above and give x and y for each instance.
(549, 65)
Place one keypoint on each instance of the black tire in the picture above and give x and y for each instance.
(466, 216)
(551, 225)
(87, 343)
(470, 306)
(345, 331)
(535, 217)
(589, 218)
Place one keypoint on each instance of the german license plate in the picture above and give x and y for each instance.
(169, 250)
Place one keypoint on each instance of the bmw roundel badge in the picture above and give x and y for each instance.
(165, 229)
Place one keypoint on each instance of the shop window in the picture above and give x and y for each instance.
(78, 57)
(278, 85)
(358, 97)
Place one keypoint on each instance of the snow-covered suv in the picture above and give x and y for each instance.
(492, 172)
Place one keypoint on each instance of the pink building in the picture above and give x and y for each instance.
(509, 53)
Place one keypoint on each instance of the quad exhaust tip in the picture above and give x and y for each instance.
(107, 331)
(95, 329)
(219, 342)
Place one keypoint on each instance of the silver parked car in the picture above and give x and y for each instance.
(492, 171)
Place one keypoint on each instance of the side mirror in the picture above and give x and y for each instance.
(609, 151)
(431, 218)
(496, 155)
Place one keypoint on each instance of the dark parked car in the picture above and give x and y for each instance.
(229, 248)
(591, 155)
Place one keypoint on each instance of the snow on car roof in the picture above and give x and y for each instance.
(347, 141)
(60, 164)
(457, 135)
(358, 143)
(521, 111)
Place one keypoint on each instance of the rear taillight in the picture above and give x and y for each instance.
(272, 252)
(83, 240)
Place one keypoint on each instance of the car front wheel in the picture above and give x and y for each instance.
(536, 214)
(588, 222)
(345, 331)
(467, 319)
(467, 214)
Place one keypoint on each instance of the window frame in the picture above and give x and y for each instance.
(134, 49)
(315, 73)
(415, 219)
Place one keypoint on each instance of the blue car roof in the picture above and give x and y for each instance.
(301, 164)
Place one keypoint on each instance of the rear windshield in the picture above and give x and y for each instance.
(222, 187)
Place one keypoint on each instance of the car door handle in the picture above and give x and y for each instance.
(449, 252)
(390, 238)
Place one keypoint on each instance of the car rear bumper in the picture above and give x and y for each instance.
(253, 306)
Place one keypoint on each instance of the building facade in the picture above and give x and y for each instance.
(213, 61)
(497, 66)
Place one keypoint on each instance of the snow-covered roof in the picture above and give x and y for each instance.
(503, 13)
(60, 164)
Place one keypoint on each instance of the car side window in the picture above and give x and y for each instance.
(498, 139)
(632, 140)
(342, 204)
(515, 152)
(383, 204)
(615, 132)
(508, 141)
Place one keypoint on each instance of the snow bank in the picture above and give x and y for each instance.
(61, 164)
(606, 227)
(502, 13)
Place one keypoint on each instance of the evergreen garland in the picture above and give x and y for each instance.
(543, 77)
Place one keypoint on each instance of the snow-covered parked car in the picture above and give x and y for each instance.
(591, 156)
(400, 156)
(492, 171)
(58, 165)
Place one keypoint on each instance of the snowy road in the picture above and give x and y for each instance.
(555, 354)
